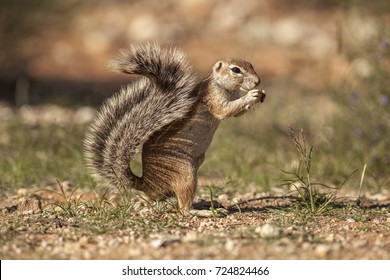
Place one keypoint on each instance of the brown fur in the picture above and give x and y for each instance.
(169, 115)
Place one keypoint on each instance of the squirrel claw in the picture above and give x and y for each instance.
(262, 95)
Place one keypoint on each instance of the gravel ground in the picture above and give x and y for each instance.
(261, 229)
(294, 47)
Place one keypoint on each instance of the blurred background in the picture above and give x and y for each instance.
(56, 51)
(324, 64)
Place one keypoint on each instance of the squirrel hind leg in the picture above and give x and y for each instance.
(185, 193)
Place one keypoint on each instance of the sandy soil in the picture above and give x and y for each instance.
(259, 229)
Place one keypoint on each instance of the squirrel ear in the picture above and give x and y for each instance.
(217, 66)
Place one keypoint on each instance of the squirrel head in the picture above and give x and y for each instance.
(235, 75)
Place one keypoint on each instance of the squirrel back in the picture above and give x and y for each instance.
(129, 118)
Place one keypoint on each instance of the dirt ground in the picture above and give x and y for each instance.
(295, 49)
(262, 226)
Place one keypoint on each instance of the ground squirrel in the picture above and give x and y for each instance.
(170, 116)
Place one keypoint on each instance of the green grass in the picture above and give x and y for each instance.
(349, 146)
(110, 210)
(248, 154)
(40, 155)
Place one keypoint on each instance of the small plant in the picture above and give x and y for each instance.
(308, 191)
(70, 205)
(212, 207)
(362, 180)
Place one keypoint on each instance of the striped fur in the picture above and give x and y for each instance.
(130, 117)
(171, 117)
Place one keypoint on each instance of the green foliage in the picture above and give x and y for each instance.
(40, 155)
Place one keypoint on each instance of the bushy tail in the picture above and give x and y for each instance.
(130, 117)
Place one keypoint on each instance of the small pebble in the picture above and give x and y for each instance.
(162, 242)
(322, 250)
(269, 231)
(330, 238)
(22, 192)
(230, 245)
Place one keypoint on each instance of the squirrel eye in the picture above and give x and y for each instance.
(236, 70)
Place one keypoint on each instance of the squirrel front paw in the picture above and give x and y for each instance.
(258, 94)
